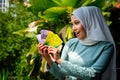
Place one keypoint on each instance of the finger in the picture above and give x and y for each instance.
(45, 51)
(50, 47)
(41, 47)
(39, 50)
(49, 51)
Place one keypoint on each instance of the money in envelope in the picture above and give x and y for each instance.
(49, 38)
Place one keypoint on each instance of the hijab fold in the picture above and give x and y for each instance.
(97, 30)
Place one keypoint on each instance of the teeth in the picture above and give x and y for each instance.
(77, 32)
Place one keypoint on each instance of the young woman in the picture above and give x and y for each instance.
(89, 56)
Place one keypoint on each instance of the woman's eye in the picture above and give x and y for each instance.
(77, 22)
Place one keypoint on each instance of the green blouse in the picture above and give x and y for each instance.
(82, 62)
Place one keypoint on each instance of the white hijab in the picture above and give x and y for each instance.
(97, 30)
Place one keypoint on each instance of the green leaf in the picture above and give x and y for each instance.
(33, 49)
(25, 33)
(58, 2)
(55, 10)
(49, 17)
(71, 3)
(87, 2)
(43, 65)
(99, 3)
(30, 35)
(41, 5)
(19, 32)
(52, 13)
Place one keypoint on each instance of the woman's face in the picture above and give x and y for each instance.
(78, 28)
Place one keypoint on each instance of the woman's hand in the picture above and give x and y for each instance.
(43, 50)
(55, 54)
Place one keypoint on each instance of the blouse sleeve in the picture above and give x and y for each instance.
(57, 71)
(86, 73)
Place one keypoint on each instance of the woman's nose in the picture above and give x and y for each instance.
(73, 28)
